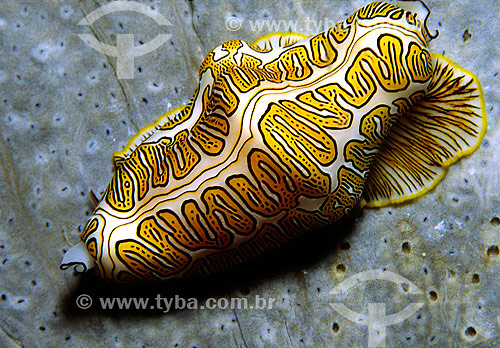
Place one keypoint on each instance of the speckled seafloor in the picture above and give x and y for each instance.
(63, 112)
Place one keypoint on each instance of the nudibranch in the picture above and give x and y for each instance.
(283, 136)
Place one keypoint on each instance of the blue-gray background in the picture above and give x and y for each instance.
(63, 112)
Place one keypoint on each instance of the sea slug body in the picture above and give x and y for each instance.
(283, 136)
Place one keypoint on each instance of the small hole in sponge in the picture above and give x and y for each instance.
(406, 247)
(470, 332)
(493, 250)
(335, 327)
(433, 295)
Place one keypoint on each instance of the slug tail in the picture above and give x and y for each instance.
(447, 123)
(78, 257)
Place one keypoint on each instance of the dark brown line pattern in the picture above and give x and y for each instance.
(90, 228)
(444, 122)
(154, 257)
(214, 227)
(292, 65)
(374, 127)
(376, 9)
(298, 143)
(275, 189)
(419, 63)
(345, 196)
(386, 68)
(210, 130)
(323, 50)
(120, 192)
(340, 32)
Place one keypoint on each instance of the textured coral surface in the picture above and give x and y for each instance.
(63, 112)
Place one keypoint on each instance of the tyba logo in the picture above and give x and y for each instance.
(376, 319)
(124, 51)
